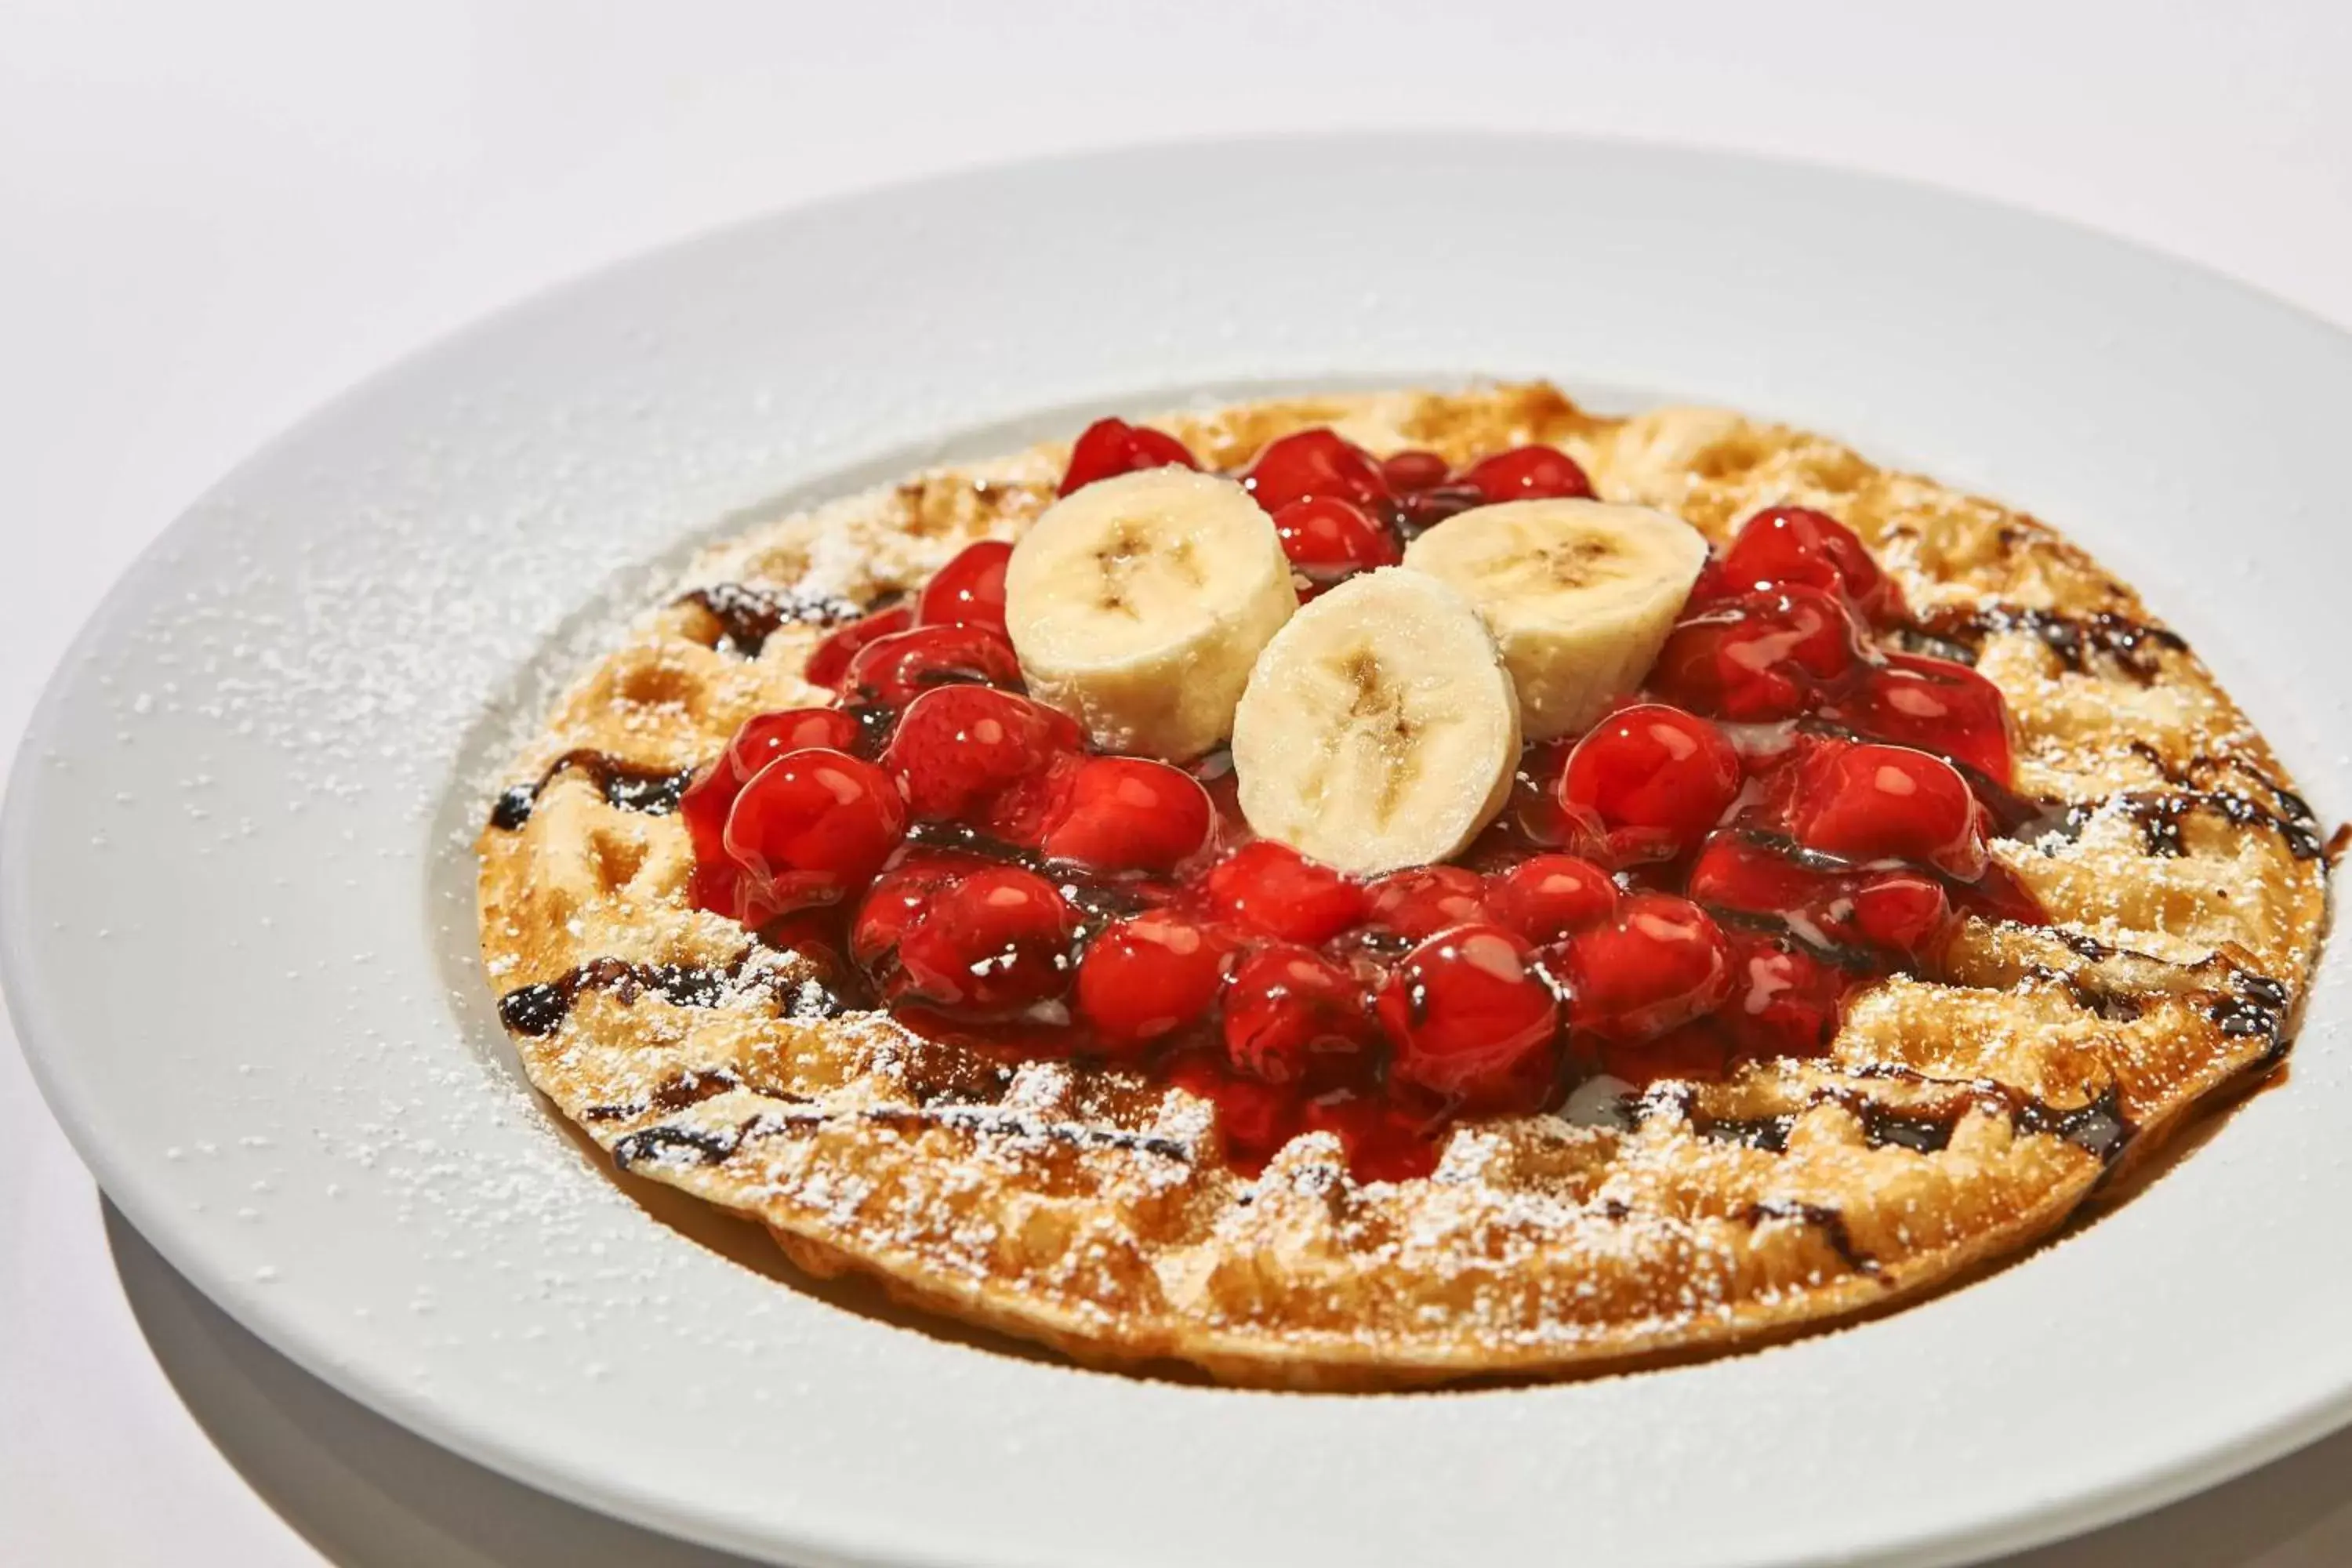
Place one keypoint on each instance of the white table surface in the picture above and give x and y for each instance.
(212, 217)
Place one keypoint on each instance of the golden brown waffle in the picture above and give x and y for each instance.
(1953, 1122)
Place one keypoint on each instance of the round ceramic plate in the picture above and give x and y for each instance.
(238, 917)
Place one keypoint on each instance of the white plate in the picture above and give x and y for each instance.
(237, 915)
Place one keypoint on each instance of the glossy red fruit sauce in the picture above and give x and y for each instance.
(1790, 810)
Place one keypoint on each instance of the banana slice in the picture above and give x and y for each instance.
(1139, 604)
(1579, 595)
(1379, 728)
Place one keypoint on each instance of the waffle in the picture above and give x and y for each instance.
(1952, 1123)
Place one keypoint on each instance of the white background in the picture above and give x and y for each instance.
(214, 216)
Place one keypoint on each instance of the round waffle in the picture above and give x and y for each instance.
(1954, 1121)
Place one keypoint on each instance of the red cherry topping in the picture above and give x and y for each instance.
(1470, 1019)
(1148, 977)
(1425, 900)
(814, 826)
(968, 590)
(1660, 962)
(957, 747)
(1758, 655)
(1418, 511)
(1935, 705)
(1840, 832)
(1903, 912)
(1109, 447)
(1697, 1051)
(1129, 813)
(1318, 462)
(897, 898)
(1658, 775)
(1254, 1118)
(830, 661)
(1292, 1016)
(1785, 545)
(1271, 888)
(1384, 1141)
(1529, 473)
(1783, 1001)
(1736, 872)
(1412, 469)
(1328, 539)
(895, 670)
(761, 738)
(1546, 898)
(991, 946)
(1875, 803)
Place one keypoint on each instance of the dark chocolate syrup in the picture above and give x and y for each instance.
(748, 618)
(708, 1147)
(689, 1085)
(2136, 646)
(630, 786)
(541, 1009)
(1823, 1218)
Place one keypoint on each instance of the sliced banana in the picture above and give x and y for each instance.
(1139, 604)
(1579, 595)
(1380, 729)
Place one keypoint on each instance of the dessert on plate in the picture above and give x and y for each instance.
(1371, 891)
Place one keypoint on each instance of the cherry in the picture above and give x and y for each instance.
(991, 945)
(1384, 1142)
(899, 898)
(1784, 1002)
(1129, 813)
(1903, 912)
(1271, 887)
(1425, 900)
(1527, 473)
(968, 590)
(761, 740)
(830, 660)
(1318, 462)
(1327, 539)
(1418, 511)
(1786, 544)
(716, 886)
(1875, 803)
(896, 670)
(1660, 961)
(1546, 898)
(1292, 1016)
(957, 747)
(1109, 447)
(1736, 872)
(1254, 1118)
(1656, 777)
(1414, 470)
(814, 826)
(1758, 655)
(1468, 1018)
(1935, 705)
(1149, 976)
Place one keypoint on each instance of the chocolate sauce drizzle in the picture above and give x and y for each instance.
(540, 1010)
(710, 1147)
(748, 616)
(630, 786)
(2097, 1127)
(1828, 1221)
(1956, 633)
